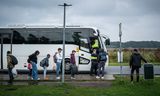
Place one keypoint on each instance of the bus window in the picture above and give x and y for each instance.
(84, 45)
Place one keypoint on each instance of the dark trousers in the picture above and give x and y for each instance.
(137, 72)
(10, 75)
(94, 66)
(73, 69)
(101, 68)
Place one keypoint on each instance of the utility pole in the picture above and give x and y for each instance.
(120, 48)
(64, 28)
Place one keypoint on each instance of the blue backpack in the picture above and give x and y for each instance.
(103, 56)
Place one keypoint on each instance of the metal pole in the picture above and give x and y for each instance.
(120, 49)
(1, 51)
(64, 28)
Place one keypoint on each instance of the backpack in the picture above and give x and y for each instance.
(103, 56)
(14, 60)
(43, 62)
(54, 58)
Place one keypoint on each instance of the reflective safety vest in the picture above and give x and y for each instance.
(95, 45)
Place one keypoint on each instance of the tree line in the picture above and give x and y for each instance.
(136, 44)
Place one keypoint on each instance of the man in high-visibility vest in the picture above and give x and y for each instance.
(94, 62)
(95, 45)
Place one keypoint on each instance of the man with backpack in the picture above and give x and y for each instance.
(11, 62)
(102, 57)
(45, 63)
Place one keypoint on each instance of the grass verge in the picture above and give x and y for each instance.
(120, 87)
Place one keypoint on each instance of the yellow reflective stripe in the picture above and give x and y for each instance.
(93, 57)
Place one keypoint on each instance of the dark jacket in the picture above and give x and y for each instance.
(135, 60)
(72, 59)
(33, 58)
(94, 57)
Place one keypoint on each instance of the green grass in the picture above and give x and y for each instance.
(127, 64)
(120, 87)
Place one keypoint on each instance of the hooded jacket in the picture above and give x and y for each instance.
(135, 60)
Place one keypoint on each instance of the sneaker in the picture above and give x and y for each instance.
(57, 78)
(102, 77)
(73, 78)
(97, 77)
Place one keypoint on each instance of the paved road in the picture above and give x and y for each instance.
(126, 70)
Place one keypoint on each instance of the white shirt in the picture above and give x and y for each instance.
(59, 57)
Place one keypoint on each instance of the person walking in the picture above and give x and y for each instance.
(135, 63)
(94, 60)
(45, 63)
(102, 57)
(73, 64)
(33, 61)
(58, 62)
(10, 66)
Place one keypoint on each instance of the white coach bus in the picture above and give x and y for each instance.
(25, 40)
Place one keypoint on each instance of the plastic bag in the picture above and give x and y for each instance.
(14, 71)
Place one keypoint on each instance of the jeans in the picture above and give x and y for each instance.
(34, 71)
(58, 66)
(101, 66)
(10, 75)
(44, 71)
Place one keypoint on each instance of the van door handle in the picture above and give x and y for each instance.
(82, 54)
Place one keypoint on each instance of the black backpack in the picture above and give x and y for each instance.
(103, 56)
(14, 60)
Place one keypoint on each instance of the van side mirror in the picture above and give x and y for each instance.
(107, 41)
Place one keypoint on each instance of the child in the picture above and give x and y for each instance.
(45, 63)
(73, 64)
(30, 70)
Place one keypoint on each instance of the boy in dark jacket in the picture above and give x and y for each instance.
(73, 64)
(135, 63)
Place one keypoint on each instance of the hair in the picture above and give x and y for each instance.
(135, 50)
(59, 49)
(37, 52)
(8, 52)
(48, 55)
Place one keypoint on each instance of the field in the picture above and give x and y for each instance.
(151, 55)
(118, 88)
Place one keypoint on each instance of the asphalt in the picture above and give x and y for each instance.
(81, 79)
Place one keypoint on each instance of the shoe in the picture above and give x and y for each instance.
(102, 77)
(38, 79)
(73, 78)
(57, 78)
(97, 77)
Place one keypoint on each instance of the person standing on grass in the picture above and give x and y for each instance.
(135, 63)
(58, 62)
(33, 61)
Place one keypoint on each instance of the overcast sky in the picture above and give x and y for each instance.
(140, 18)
